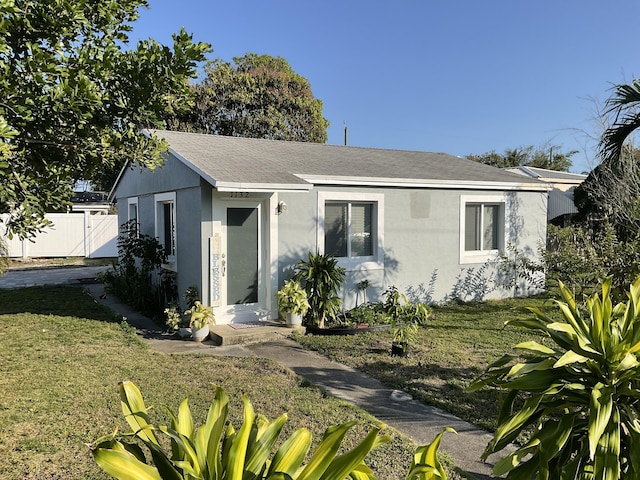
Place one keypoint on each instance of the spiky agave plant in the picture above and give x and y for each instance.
(581, 394)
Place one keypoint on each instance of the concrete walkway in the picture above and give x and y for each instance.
(395, 408)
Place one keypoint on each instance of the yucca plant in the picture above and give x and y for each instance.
(322, 279)
(216, 451)
(580, 395)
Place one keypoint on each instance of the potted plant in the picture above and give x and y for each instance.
(404, 320)
(404, 334)
(201, 318)
(292, 302)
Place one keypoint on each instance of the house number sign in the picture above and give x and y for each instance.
(239, 195)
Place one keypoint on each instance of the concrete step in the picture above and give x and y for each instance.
(225, 335)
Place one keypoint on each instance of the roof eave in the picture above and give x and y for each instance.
(260, 187)
(425, 183)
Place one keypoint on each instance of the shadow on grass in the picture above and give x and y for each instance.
(53, 300)
(442, 387)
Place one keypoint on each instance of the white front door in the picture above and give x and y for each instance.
(237, 272)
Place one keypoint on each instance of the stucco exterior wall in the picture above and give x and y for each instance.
(421, 241)
(144, 184)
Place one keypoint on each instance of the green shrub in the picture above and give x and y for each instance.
(400, 309)
(581, 395)
(369, 313)
(138, 278)
(574, 253)
(215, 450)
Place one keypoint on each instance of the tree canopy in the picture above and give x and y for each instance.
(73, 98)
(550, 157)
(257, 96)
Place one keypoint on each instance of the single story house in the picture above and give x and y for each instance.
(236, 214)
(561, 204)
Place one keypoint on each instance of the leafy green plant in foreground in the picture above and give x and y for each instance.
(582, 394)
(215, 450)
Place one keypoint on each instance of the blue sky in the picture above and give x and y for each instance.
(455, 76)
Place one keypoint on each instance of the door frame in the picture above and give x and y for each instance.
(260, 310)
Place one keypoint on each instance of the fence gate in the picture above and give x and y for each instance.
(71, 235)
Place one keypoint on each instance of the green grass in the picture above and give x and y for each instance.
(63, 355)
(451, 350)
(59, 262)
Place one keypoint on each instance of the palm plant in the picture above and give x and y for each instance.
(322, 279)
(623, 108)
(582, 395)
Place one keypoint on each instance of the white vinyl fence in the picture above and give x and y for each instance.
(71, 235)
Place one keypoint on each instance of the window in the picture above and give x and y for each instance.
(166, 223)
(348, 229)
(132, 214)
(482, 227)
(350, 226)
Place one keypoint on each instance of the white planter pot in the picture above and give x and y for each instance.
(293, 320)
(200, 334)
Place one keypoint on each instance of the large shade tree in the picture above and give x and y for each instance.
(257, 96)
(73, 98)
(550, 157)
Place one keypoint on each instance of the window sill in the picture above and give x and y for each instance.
(364, 263)
(478, 257)
(171, 266)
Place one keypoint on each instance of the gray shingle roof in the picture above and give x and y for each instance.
(247, 162)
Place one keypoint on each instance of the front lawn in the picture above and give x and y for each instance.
(453, 348)
(62, 356)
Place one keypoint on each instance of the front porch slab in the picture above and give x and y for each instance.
(224, 335)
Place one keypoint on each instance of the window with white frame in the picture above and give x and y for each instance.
(132, 214)
(166, 223)
(351, 226)
(482, 227)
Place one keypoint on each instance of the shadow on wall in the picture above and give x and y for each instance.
(515, 270)
(509, 271)
(350, 291)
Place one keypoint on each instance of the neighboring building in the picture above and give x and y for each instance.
(236, 214)
(95, 203)
(561, 204)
